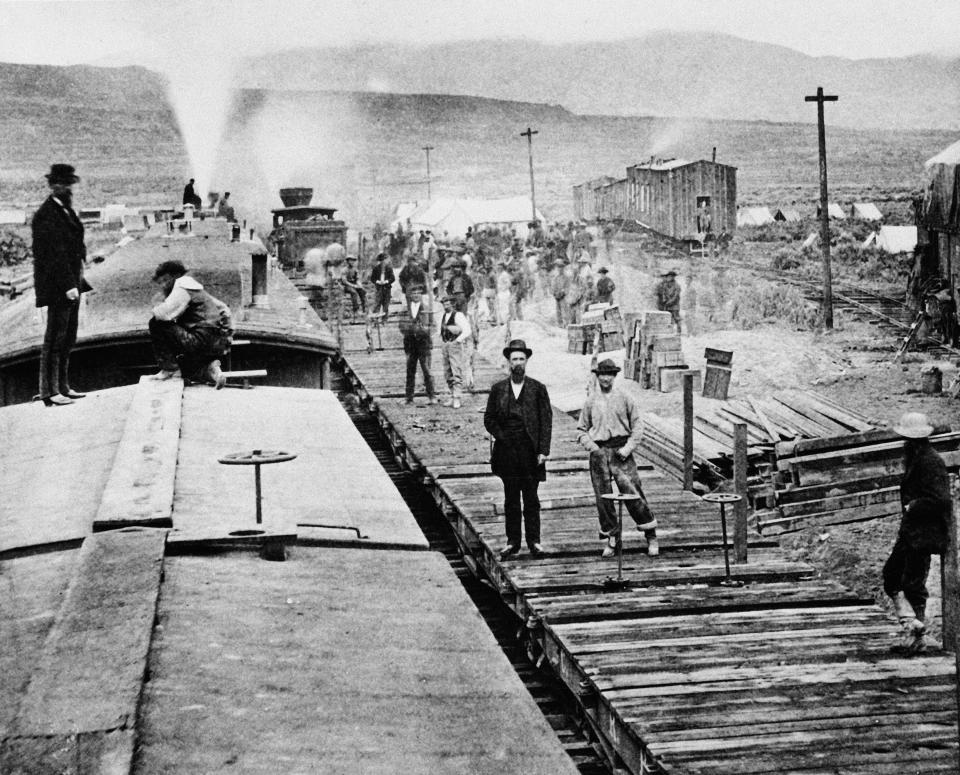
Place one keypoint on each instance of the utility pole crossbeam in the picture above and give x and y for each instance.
(428, 148)
(533, 197)
(821, 98)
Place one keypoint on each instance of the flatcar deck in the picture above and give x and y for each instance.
(172, 650)
(781, 671)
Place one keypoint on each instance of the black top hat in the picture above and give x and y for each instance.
(517, 345)
(380, 256)
(606, 366)
(603, 270)
(671, 273)
(62, 173)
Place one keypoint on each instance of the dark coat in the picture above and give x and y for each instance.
(925, 498)
(415, 330)
(537, 418)
(58, 253)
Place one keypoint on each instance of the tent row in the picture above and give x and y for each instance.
(758, 216)
(454, 216)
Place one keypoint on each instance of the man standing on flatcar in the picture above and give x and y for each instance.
(382, 278)
(609, 429)
(414, 324)
(926, 507)
(520, 420)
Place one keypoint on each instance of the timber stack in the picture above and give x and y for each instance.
(601, 323)
(654, 356)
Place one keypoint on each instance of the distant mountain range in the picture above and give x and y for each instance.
(663, 74)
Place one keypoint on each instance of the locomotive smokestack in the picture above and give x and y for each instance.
(259, 274)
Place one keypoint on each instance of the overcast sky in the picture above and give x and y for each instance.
(78, 31)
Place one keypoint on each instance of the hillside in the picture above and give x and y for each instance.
(362, 151)
(662, 74)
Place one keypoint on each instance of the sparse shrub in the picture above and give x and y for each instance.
(786, 258)
(760, 301)
(13, 248)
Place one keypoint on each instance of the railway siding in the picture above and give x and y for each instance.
(784, 672)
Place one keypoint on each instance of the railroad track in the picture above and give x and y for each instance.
(549, 694)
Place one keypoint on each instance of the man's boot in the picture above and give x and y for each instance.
(910, 640)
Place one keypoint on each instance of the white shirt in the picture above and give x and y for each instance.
(414, 308)
(516, 389)
(173, 306)
(457, 318)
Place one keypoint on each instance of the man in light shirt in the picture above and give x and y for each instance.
(455, 333)
(609, 428)
(190, 329)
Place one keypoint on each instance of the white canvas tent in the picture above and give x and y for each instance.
(12, 216)
(787, 214)
(833, 211)
(893, 239)
(455, 215)
(754, 216)
(866, 211)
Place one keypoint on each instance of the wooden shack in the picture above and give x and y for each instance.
(938, 219)
(683, 199)
(587, 198)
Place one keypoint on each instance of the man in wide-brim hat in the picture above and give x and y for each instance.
(926, 510)
(59, 255)
(668, 296)
(609, 429)
(520, 420)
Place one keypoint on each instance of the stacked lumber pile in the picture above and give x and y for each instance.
(601, 321)
(785, 417)
(843, 479)
(654, 356)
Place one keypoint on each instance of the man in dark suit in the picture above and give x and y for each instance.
(414, 324)
(520, 419)
(59, 254)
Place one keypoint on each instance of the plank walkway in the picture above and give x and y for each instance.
(784, 672)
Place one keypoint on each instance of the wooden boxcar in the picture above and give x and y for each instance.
(680, 199)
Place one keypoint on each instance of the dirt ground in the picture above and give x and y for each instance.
(852, 364)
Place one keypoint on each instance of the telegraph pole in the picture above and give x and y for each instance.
(533, 197)
(428, 148)
(820, 98)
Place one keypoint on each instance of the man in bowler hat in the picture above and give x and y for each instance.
(59, 255)
(520, 419)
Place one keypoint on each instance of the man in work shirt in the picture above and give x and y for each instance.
(609, 428)
(455, 335)
(190, 329)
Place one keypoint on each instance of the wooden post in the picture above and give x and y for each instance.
(741, 507)
(688, 430)
(950, 587)
(950, 576)
(325, 374)
(428, 148)
(820, 98)
(533, 197)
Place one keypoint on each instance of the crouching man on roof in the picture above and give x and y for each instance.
(190, 329)
(609, 428)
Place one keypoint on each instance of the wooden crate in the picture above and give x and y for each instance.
(716, 381)
(670, 378)
(718, 357)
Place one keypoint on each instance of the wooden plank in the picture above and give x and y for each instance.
(140, 488)
(772, 432)
(110, 608)
(855, 420)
